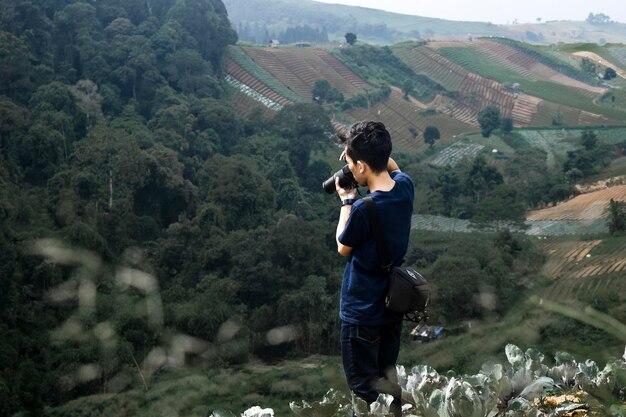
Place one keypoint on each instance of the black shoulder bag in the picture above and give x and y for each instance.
(408, 290)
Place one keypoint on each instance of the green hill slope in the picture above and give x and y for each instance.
(264, 20)
(449, 83)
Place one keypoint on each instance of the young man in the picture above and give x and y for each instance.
(370, 334)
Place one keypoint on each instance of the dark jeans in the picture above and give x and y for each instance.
(369, 353)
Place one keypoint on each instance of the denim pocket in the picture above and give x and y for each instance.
(369, 334)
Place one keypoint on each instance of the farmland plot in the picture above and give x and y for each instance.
(300, 68)
(546, 141)
(455, 153)
(235, 71)
(426, 61)
(589, 206)
(552, 88)
(400, 116)
(619, 52)
(475, 91)
(237, 56)
(529, 67)
(581, 268)
(253, 94)
(441, 224)
(541, 229)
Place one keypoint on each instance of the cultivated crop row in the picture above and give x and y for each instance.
(619, 52)
(502, 55)
(524, 109)
(244, 104)
(577, 270)
(402, 117)
(546, 110)
(588, 206)
(558, 89)
(299, 69)
(255, 95)
(455, 153)
(553, 63)
(541, 229)
(424, 60)
(342, 70)
(265, 58)
(479, 92)
(235, 71)
(528, 66)
(441, 224)
(265, 77)
(567, 288)
(398, 115)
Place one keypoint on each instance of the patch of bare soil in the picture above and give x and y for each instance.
(602, 61)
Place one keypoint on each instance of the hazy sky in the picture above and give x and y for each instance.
(497, 11)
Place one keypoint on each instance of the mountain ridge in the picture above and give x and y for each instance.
(382, 27)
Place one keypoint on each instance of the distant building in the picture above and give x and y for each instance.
(274, 43)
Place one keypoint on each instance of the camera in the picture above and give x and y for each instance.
(346, 180)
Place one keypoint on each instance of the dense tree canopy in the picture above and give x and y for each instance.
(115, 138)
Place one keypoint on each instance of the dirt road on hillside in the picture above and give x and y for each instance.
(597, 58)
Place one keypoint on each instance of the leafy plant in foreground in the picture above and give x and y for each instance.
(514, 389)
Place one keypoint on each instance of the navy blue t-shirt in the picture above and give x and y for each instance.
(364, 284)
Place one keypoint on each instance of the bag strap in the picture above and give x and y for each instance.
(379, 234)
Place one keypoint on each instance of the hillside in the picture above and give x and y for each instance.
(530, 86)
(259, 21)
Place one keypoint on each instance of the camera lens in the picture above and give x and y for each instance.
(346, 180)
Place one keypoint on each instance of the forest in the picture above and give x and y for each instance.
(143, 221)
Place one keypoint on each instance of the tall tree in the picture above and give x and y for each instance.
(431, 134)
(306, 127)
(15, 67)
(488, 119)
(481, 179)
(350, 38)
(244, 197)
(207, 22)
(617, 217)
(589, 139)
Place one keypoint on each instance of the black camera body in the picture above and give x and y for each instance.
(346, 180)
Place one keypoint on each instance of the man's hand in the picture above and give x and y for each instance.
(344, 193)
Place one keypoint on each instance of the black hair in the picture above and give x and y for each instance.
(370, 142)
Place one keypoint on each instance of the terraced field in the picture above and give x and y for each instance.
(475, 91)
(541, 229)
(298, 69)
(252, 88)
(428, 62)
(527, 66)
(275, 77)
(619, 52)
(584, 267)
(545, 83)
(590, 206)
(455, 153)
(245, 99)
(400, 116)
